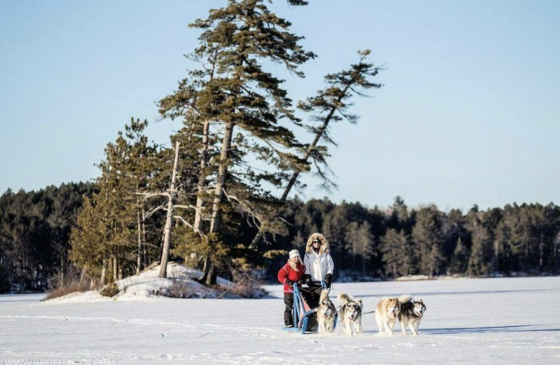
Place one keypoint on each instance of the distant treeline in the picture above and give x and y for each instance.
(365, 242)
(400, 241)
(34, 234)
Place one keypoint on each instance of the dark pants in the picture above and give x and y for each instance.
(288, 312)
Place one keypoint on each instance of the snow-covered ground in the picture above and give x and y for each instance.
(471, 321)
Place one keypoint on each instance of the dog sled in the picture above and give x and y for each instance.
(305, 317)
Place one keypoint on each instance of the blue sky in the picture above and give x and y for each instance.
(469, 113)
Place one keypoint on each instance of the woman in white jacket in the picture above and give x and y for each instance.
(319, 265)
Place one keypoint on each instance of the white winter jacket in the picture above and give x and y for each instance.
(318, 265)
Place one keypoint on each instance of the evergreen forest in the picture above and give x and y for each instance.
(366, 243)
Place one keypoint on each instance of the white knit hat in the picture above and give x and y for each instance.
(294, 253)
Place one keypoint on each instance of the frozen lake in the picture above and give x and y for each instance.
(482, 321)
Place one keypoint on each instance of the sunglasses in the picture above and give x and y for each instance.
(314, 242)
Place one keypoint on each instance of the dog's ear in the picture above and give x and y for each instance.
(359, 301)
(420, 301)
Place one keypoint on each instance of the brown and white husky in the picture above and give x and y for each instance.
(412, 312)
(386, 314)
(326, 313)
(350, 313)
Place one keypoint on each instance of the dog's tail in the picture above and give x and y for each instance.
(343, 298)
(404, 299)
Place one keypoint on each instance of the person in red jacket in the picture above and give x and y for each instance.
(289, 274)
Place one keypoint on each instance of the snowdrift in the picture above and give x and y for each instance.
(180, 283)
(147, 284)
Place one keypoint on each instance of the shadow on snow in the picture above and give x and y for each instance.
(466, 330)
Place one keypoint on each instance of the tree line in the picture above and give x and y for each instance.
(35, 234)
(366, 243)
(400, 241)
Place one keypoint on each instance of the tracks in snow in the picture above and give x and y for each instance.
(150, 323)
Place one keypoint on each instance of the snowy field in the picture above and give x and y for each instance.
(476, 321)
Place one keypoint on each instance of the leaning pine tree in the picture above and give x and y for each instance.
(243, 106)
(329, 106)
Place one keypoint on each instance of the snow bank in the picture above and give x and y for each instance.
(174, 271)
(148, 285)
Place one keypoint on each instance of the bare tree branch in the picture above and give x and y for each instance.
(257, 219)
(151, 212)
(189, 225)
(151, 195)
(185, 207)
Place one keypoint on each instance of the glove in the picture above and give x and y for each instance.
(307, 279)
(289, 282)
(328, 280)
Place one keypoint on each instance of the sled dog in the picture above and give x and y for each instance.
(386, 314)
(411, 313)
(350, 313)
(326, 313)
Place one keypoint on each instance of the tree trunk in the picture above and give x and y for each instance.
(203, 164)
(210, 273)
(115, 268)
(139, 258)
(221, 180)
(83, 274)
(541, 253)
(169, 219)
(104, 272)
(354, 254)
(144, 246)
(201, 181)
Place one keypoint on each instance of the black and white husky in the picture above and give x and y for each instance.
(350, 313)
(412, 312)
(326, 313)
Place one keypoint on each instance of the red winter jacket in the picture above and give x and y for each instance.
(287, 273)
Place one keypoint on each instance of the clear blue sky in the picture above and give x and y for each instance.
(470, 111)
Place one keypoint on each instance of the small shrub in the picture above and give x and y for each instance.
(109, 290)
(248, 287)
(179, 289)
(251, 291)
(63, 284)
